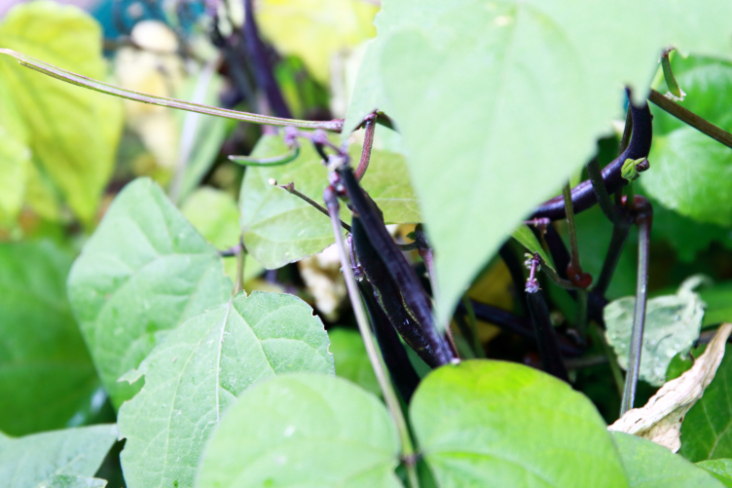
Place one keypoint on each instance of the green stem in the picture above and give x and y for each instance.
(692, 119)
(374, 355)
(241, 255)
(581, 317)
(603, 197)
(668, 74)
(78, 80)
(612, 360)
(639, 317)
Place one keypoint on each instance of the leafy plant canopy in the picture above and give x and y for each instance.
(379, 244)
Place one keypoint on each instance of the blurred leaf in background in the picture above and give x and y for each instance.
(69, 133)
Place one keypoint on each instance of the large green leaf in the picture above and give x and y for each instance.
(46, 374)
(652, 466)
(72, 132)
(57, 459)
(351, 360)
(197, 372)
(144, 271)
(492, 423)
(705, 433)
(215, 215)
(499, 102)
(303, 430)
(720, 469)
(15, 156)
(691, 175)
(280, 228)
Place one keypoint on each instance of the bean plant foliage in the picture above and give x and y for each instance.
(397, 243)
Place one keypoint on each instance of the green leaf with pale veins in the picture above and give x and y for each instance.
(72, 132)
(215, 215)
(303, 430)
(720, 469)
(46, 374)
(493, 423)
(144, 271)
(197, 372)
(672, 325)
(649, 465)
(58, 459)
(351, 360)
(280, 228)
(500, 102)
(706, 432)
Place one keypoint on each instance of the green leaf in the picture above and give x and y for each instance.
(527, 239)
(652, 466)
(720, 469)
(499, 102)
(280, 228)
(698, 190)
(315, 31)
(73, 133)
(672, 325)
(144, 271)
(46, 374)
(303, 430)
(215, 215)
(15, 157)
(705, 432)
(718, 299)
(493, 423)
(351, 360)
(53, 459)
(197, 372)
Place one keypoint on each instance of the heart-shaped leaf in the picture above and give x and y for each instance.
(303, 430)
(197, 372)
(144, 271)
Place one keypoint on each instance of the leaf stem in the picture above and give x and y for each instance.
(290, 187)
(241, 255)
(643, 221)
(692, 119)
(377, 361)
(78, 80)
(368, 143)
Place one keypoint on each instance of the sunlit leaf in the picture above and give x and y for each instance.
(500, 102)
(57, 459)
(493, 423)
(315, 30)
(303, 430)
(720, 469)
(193, 376)
(215, 215)
(280, 228)
(72, 132)
(144, 271)
(652, 466)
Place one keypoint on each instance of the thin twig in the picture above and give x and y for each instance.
(692, 119)
(612, 360)
(473, 327)
(573, 246)
(377, 361)
(368, 142)
(240, 259)
(78, 80)
(639, 317)
(290, 187)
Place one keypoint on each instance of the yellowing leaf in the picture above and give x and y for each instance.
(72, 132)
(315, 30)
